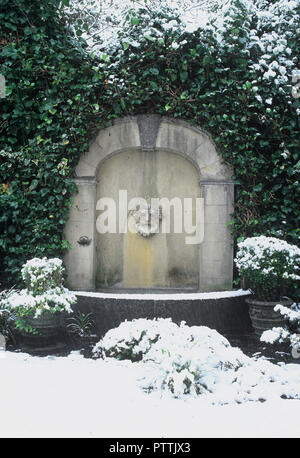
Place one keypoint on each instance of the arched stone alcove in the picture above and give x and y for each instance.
(150, 154)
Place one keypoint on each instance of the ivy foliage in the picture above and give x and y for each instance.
(59, 92)
(46, 117)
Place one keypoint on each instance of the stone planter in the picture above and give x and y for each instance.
(50, 333)
(263, 316)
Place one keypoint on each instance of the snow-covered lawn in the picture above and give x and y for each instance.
(76, 397)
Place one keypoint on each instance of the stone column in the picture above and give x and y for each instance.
(216, 251)
(80, 261)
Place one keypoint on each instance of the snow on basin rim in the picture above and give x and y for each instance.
(167, 296)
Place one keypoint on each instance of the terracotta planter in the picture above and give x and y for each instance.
(50, 332)
(263, 316)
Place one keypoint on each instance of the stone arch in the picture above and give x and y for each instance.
(154, 133)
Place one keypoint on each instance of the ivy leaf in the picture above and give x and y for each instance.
(183, 96)
(149, 38)
(154, 71)
(183, 76)
(123, 104)
(135, 21)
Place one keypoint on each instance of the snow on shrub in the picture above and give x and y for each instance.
(270, 265)
(6, 316)
(133, 339)
(290, 333)
(54, 300)
(41, 274)
(44, 292)
(189, 361)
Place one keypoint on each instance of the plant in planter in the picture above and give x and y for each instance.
(7, 318)
(81, 324)
(41, 307)
(81, 327)
(270, 267)
(290, 333)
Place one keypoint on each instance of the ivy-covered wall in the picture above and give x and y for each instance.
(46, 119)
(59, 93)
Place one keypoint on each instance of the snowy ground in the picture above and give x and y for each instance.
(77, 397)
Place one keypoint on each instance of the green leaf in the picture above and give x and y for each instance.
(134, 21)
(123, 104)
(150, 38)
(184, 76)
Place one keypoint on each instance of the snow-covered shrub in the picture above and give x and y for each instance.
(41, 274)
(290, 333)
(178, 354)
(183, 361)
(190, 361)
(270, 265)
(45, 292)
(133, 339)
(6, 316)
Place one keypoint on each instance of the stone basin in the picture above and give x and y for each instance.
(225, 311)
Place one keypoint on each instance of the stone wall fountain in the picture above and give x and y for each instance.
(136, 268)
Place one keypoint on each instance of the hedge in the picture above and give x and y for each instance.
(59, 94)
